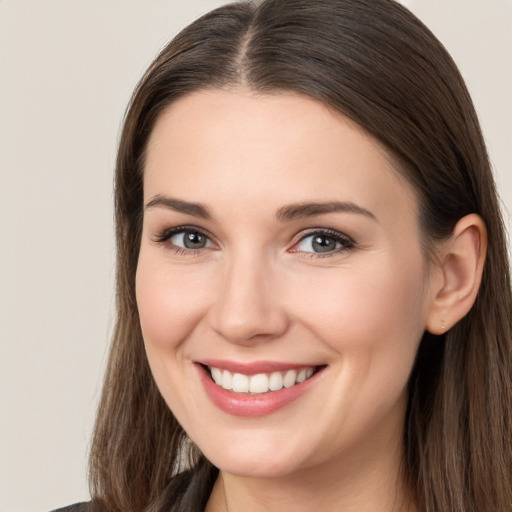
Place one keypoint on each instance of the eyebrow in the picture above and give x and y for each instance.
(302, 210)
(195, 209)
(285, 213)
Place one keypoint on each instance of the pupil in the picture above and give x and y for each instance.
(194, 240)
(323, 244)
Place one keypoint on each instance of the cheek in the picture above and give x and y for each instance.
(372, 321)
(170, 302)
(377, 308)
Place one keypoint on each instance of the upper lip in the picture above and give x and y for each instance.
(254, 367)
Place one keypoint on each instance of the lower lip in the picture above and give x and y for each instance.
(240, 404)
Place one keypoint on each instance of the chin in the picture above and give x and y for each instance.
(254, 459)
(260, 468)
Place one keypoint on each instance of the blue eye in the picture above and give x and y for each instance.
(322, 242)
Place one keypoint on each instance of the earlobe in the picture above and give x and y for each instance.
(461, 262)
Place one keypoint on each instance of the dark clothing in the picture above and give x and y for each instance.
(187, 492)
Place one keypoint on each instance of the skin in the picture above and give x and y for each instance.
(257, 291)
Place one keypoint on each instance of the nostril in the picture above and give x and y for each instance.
(246, 309)
(254, 328)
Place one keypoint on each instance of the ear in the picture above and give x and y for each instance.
(461, 261)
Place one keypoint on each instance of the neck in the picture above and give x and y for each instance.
(369, 481)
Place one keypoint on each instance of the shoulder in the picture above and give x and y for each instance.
(77, 507)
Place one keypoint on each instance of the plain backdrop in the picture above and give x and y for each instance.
(67, 69)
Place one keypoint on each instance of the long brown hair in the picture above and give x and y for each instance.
(376, 63)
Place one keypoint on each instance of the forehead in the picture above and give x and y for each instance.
(232, 144)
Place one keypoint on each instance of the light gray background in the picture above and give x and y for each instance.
(67, 70)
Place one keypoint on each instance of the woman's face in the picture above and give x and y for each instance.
(280, 248)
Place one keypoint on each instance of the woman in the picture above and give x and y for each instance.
(314, 306)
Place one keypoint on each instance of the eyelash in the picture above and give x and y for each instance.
(164, 237)
(345, 241)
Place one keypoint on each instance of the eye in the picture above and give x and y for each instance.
(323, 242)
(190, 240)
(185, 238)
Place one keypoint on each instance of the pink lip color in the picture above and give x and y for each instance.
(239, 404)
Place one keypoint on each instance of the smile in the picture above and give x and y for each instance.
(261, 382)
(257, 389)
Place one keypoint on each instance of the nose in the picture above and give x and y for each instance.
(248, 309)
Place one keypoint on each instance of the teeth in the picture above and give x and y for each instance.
(258, 383)
(290, 378)
(227, 380)
(301, 377)
(261, 382)
(240, 383)
(275, 383)
(216, 375)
